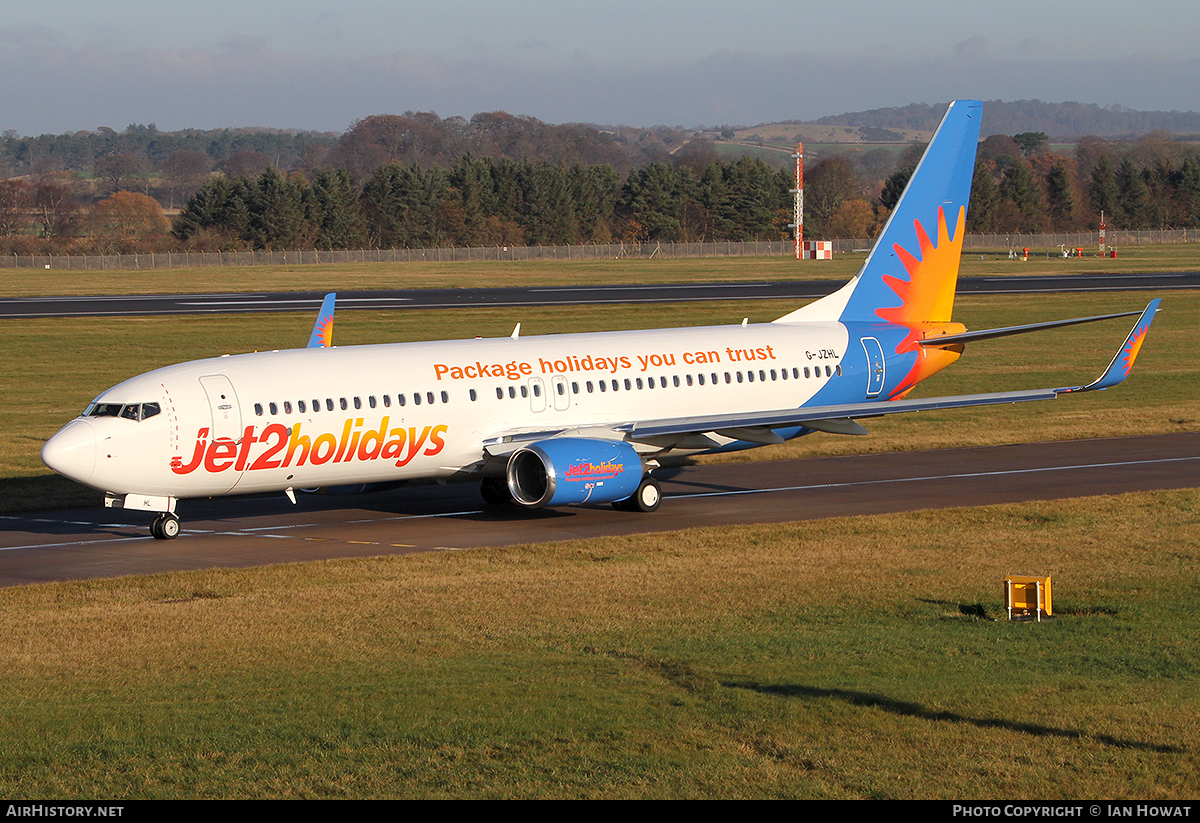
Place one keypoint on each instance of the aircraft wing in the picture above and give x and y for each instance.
(758, 426)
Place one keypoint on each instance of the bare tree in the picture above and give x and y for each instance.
(184, 172)
(116, 170)
(56, 207)
(16, 197)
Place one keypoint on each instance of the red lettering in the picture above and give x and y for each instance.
(220, 455)
(435, 438)
(265, 460)
(197, 455)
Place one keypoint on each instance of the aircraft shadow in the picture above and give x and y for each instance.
(900, 707)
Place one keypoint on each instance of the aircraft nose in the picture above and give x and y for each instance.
(72, 452)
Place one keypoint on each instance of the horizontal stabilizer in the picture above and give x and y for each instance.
(990, 334)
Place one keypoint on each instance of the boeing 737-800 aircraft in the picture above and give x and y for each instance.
(561, 419)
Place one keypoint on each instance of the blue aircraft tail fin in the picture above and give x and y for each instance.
(910, 275)
(322, 332)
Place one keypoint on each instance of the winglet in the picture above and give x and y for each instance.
(1122, 362)
(322, 333)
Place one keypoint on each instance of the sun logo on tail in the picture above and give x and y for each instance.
(1130, 352)
(927, 296)
(324, 331)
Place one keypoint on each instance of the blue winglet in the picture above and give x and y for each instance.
(322, 333)
(1122, 362)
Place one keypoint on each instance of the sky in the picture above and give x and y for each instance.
(312, 64)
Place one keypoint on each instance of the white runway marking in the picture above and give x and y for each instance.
(926, 478)
(266, 531)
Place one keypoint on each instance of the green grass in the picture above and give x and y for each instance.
(828, 659)
(350, 276)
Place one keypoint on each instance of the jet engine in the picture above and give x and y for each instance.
(571, 470)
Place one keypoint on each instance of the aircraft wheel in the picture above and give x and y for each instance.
(165, 527)
(494, 491)
(646, 499)
(648, 496)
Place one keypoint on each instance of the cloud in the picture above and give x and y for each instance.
(52, 87)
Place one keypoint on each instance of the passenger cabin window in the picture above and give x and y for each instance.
(258, 409)
(300, 405)
(274, 408)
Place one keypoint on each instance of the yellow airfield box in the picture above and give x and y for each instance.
(1028, 597)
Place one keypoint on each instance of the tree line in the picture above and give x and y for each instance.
(479, 201)
(410, 180)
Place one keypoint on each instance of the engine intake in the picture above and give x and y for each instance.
(572, 470)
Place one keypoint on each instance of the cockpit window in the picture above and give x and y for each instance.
(103, 410)
(127, 411)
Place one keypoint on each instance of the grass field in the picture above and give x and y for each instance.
(830, 659)
(843, 658)
(350, 276)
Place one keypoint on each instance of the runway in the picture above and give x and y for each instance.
(236, 303)
(241, 532)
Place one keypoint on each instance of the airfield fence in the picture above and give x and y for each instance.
(1039, 243)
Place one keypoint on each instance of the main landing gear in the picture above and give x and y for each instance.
(494, 491)
(646, 499)
(165, 527)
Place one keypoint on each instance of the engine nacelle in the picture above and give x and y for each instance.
(570, 470)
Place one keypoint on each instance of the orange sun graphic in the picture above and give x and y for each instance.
(927, 296)
(325, 331)
(1133, 347)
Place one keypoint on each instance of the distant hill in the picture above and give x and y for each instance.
(1059, 120)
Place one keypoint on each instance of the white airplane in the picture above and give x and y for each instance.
(560, 419)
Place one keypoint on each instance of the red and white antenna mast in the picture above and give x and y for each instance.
(798, 209)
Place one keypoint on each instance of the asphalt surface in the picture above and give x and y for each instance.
(159, 304)
(241, 532)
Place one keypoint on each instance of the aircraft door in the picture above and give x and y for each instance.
(561, 392)
(222, 402)
(537, 394)
(875, 366)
